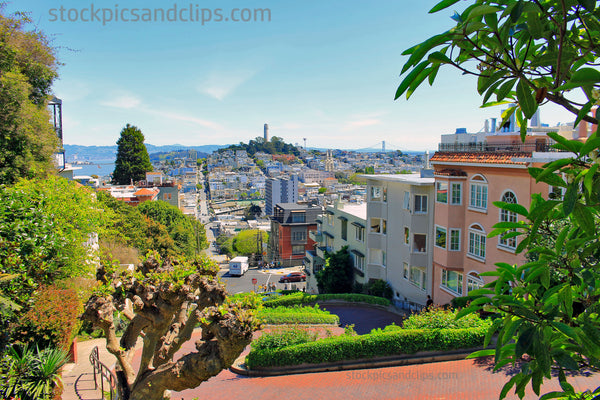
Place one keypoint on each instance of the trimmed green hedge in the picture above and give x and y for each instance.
(367, 346)
(304, 298)
(297, 315)
(444, 319)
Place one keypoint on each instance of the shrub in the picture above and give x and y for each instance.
(437, 318)
(297, 315)
(299, 298)
(283, 337)
(53, 319)
(346, 347)
(380, 288)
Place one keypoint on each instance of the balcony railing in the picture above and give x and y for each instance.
(500, 147)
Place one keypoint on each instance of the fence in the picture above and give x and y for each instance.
(105, 374)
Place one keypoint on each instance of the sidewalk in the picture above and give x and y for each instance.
(78, 378)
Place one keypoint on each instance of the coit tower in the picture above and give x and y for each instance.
(266, 132)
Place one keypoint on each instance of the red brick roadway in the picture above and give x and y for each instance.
(464, 379)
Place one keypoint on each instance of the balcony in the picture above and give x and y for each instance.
(316, 236)
(484, 147)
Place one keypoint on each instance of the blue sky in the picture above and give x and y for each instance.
(326, 71)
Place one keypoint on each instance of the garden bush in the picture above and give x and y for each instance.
(283, 337)
(300, 298)
(437, 318)
(346, 347)
(380, 288)
(297, 315)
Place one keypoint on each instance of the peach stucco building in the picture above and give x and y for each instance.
(471, 172)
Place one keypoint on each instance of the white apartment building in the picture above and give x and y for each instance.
(280, 190)
(400, 234)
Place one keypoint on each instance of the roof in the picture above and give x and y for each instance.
(145, 192)
(411, 179)
(451, 172)
(501, 157)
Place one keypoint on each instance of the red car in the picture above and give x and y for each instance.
(293, 277)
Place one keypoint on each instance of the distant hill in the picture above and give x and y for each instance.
(109, 153)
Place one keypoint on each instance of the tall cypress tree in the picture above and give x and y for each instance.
(132, 157)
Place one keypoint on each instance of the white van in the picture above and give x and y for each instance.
(238, 266)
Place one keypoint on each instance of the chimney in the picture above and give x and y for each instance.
(493, 127)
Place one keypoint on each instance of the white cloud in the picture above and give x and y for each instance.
(187, 118)
(126, 101)
(220, 84)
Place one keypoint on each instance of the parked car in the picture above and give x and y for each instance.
(293, 277)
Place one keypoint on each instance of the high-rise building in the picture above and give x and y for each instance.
(280, 190)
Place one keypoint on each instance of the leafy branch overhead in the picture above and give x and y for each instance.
(527, 52)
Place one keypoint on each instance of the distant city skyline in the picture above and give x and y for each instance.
(326, 72)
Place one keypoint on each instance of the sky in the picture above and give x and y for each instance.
(324, 70)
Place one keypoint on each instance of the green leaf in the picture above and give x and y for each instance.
(589, 5)
(562, 379)
(570, 199)
(481, 353)
(507, 386)
(442, 5)
(589, 178)
(566, 329)
(586, 76)
(553, 166)
(585, 110)
(524, 341)
(409, 79)
(585, 218)
(570, 145)
(566, 298)
(564, 360)
(589, 145)
(505, 89)
(534, 24)
(438, 57)
(484, 82)
(483, 9)
(526, 98)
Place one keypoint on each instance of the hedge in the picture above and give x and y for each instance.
(304, 298)
(377, 344)
(297, 315)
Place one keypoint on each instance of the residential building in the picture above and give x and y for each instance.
(280, 190)
(342, 224)
(471, 172)
(399, 233)
(290, 227)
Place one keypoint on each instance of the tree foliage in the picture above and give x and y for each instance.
(337, 275)
(27, 70)
(132, 161)
(250, 241)
(44, 225)
(170, 299)
(531, 53)
(275, 146)
(525, 53)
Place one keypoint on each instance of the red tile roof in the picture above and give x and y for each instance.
(503, 157)
(145, 192)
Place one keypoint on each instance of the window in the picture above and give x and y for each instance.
(376, 256)
(344, 229)
(384, 226)
(478, 197)
(359, 262)
(419, 243)
(441, 192)
(420, 203)
(508, 216)
(474, 282)
(406, 271)
(418, 277)
(556, 193)
(456, 194)
(375, 225)
(440, 237)
(454, 239)
(385, 194)
(299, 236)
(329, 243)
(383, 258)
(297, 249)
(360, 233)
(375, 193)
(452, 281)
(406, 204)
(298, 217)
(476, 242)
(406, 235)
(330, 218)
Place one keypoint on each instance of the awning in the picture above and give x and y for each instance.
(328, 234)
(358, 225)
(343, 218)
(358, 253)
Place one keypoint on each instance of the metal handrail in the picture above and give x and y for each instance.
(105, 374)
